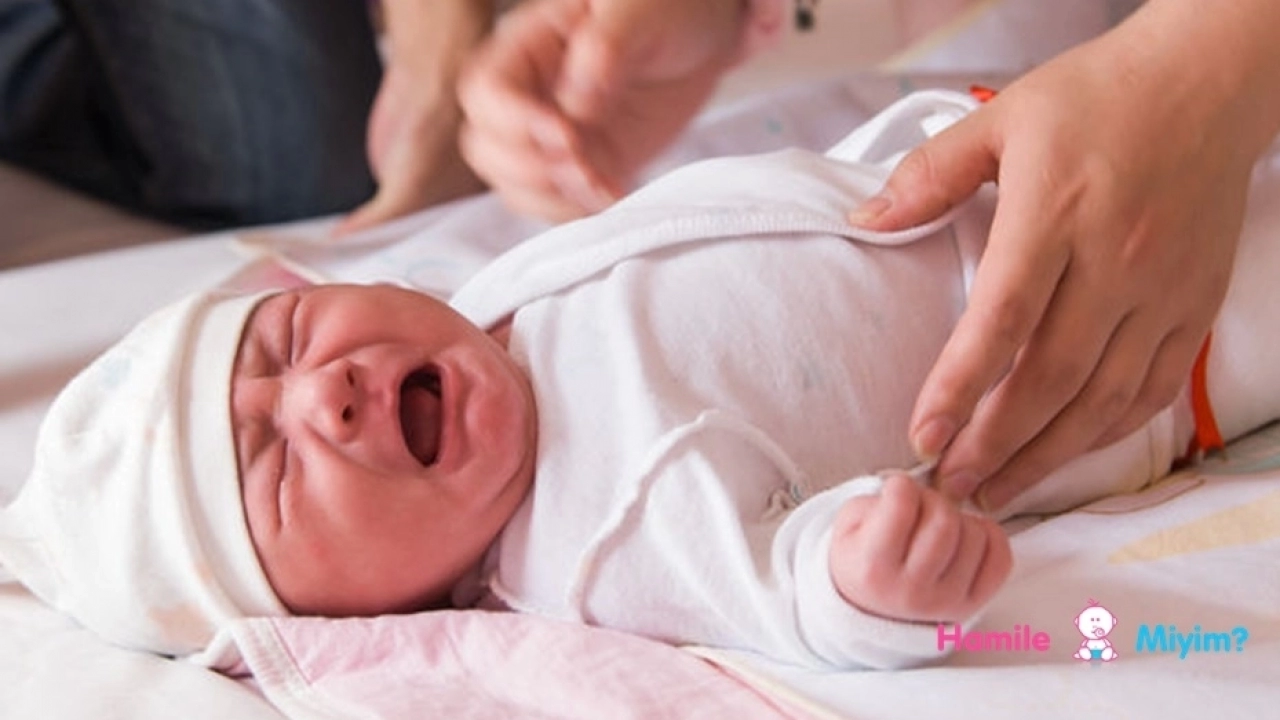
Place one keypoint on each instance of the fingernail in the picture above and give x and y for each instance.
(932, 439)
(870, 209)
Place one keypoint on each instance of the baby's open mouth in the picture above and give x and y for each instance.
(421, 415)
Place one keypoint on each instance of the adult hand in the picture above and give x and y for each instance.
(1122, 171)
(412, 137)
(570, 98)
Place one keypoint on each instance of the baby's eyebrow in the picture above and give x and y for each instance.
(250, 363)
(249, 444)
(268, 326)
(249, 350)
(288, 330)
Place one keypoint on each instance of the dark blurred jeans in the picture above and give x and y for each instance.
(207, 113)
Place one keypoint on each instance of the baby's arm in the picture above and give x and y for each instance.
(909, 554)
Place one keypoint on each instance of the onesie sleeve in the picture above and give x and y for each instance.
(833, 631)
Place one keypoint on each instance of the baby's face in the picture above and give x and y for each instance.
(382, 441)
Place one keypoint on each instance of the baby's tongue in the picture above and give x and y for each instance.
(420, 422)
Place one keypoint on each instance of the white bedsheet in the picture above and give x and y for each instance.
(1195, 556)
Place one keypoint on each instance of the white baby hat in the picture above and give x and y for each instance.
(131, 520)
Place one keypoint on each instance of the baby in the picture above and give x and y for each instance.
(669, 419)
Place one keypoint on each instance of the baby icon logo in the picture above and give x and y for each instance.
(1095, 624)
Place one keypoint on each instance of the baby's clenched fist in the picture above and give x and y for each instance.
(910, 554)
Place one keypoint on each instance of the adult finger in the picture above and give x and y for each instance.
(1013, 285)
(506, 90)
(531, 183)
(935, 176)
(1105, 398)
(1165, 379)
(415, 172)
(373, 212)
(544, 200)
(623, 44)
(1051, 369)
(506, 115)
(528, 155)
(394, 198)
(505, 163)
(549, 207)
(594, 64)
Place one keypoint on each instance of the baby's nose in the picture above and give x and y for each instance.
(326, 399)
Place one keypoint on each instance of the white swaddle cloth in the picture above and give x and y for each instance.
(131, 520)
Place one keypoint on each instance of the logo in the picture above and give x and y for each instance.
(1095, 623)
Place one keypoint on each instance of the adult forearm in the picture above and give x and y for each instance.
(435, 36)
(412, 131)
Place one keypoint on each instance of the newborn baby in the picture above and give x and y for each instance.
(384, 441)
(673, 419)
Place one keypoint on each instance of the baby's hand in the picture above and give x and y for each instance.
(910, 554)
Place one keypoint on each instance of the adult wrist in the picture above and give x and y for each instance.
(1223, 60)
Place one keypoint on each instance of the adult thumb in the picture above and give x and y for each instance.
(393, 198)
(374, 211)
(934, 177)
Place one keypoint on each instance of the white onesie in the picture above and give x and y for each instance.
(713, 359)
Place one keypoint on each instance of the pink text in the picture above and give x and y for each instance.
(1020, 639)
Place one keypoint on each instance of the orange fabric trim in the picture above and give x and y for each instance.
(981, 93)
(1208, 437)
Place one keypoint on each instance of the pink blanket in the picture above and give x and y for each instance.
(477, 664)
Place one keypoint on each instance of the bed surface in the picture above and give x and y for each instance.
(1187, 568)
